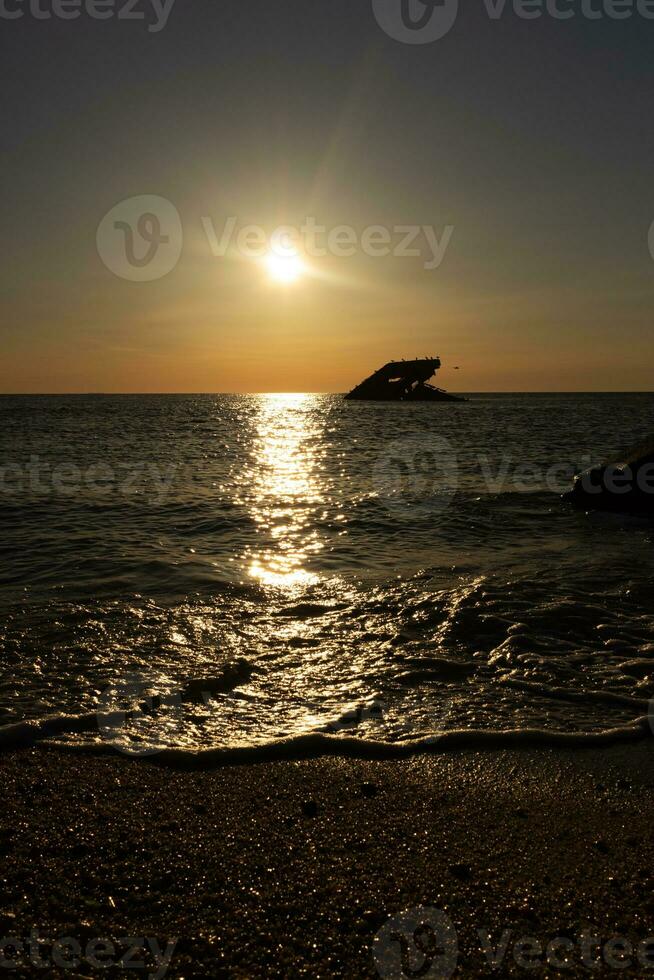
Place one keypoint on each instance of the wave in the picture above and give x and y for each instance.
(311, 745)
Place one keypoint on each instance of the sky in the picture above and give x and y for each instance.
(523, 146)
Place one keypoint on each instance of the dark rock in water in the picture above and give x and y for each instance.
(310, 808)
(625, 484)
(369, 790)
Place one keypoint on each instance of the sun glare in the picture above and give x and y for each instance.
(284, 491)
(284, 268)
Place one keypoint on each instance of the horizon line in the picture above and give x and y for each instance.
(111, 394)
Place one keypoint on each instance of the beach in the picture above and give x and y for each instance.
(327, 490)
(267, 713)
(292, 868)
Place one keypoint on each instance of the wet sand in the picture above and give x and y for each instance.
(291, 868)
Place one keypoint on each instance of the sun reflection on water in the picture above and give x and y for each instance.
(285, 490)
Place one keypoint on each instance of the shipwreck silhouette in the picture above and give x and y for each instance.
(404, 381)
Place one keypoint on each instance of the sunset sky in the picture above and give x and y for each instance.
(532, 139)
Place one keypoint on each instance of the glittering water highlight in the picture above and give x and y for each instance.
(243, 569)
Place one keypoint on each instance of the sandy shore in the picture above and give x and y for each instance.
(292, 868)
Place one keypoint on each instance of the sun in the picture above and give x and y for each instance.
(284, 268)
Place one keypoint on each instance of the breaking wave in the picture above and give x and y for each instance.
(314, 744)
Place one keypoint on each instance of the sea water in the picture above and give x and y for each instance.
(239, 570)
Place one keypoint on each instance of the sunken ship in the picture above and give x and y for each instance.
(404, 381)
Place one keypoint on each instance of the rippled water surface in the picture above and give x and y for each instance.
(382, 570)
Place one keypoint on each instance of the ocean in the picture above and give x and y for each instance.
(226, 571)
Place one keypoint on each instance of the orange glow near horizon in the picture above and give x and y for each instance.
(282, 323)
(260, 223)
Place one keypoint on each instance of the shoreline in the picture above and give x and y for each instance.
(293, 867)
(319, 744)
